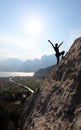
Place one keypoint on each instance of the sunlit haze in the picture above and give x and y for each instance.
(33, 26)
(26, 26)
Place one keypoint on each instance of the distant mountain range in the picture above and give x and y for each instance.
(14, 64)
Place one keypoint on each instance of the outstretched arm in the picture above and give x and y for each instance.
(51, 43)
(60, 44)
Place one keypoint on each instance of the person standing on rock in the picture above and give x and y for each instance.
(56, 49)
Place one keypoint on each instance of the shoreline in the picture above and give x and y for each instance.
(10, 74)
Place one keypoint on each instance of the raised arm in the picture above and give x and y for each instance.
(60, 44)
(51, 43)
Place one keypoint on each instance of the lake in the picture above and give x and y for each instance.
(9, 74)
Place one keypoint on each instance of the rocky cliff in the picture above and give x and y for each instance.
(56, 105)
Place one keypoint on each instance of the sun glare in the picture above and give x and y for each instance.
(33, 26)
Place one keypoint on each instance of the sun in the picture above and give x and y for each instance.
(33, 26)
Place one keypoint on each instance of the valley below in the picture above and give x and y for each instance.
(12, 100)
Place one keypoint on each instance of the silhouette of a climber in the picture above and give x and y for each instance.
(56, 49)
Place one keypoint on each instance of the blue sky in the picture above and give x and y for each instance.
(26, 26)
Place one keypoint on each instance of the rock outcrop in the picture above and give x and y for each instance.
(41, 73)
(56, 105)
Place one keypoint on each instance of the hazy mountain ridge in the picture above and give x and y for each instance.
(14, 64)
(41, 73)
(56, 105)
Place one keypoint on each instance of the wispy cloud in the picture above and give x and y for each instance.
(4, 54)
(25, 48)
(24, 43)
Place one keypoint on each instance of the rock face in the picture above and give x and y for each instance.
(56, 105)
(41, 73)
